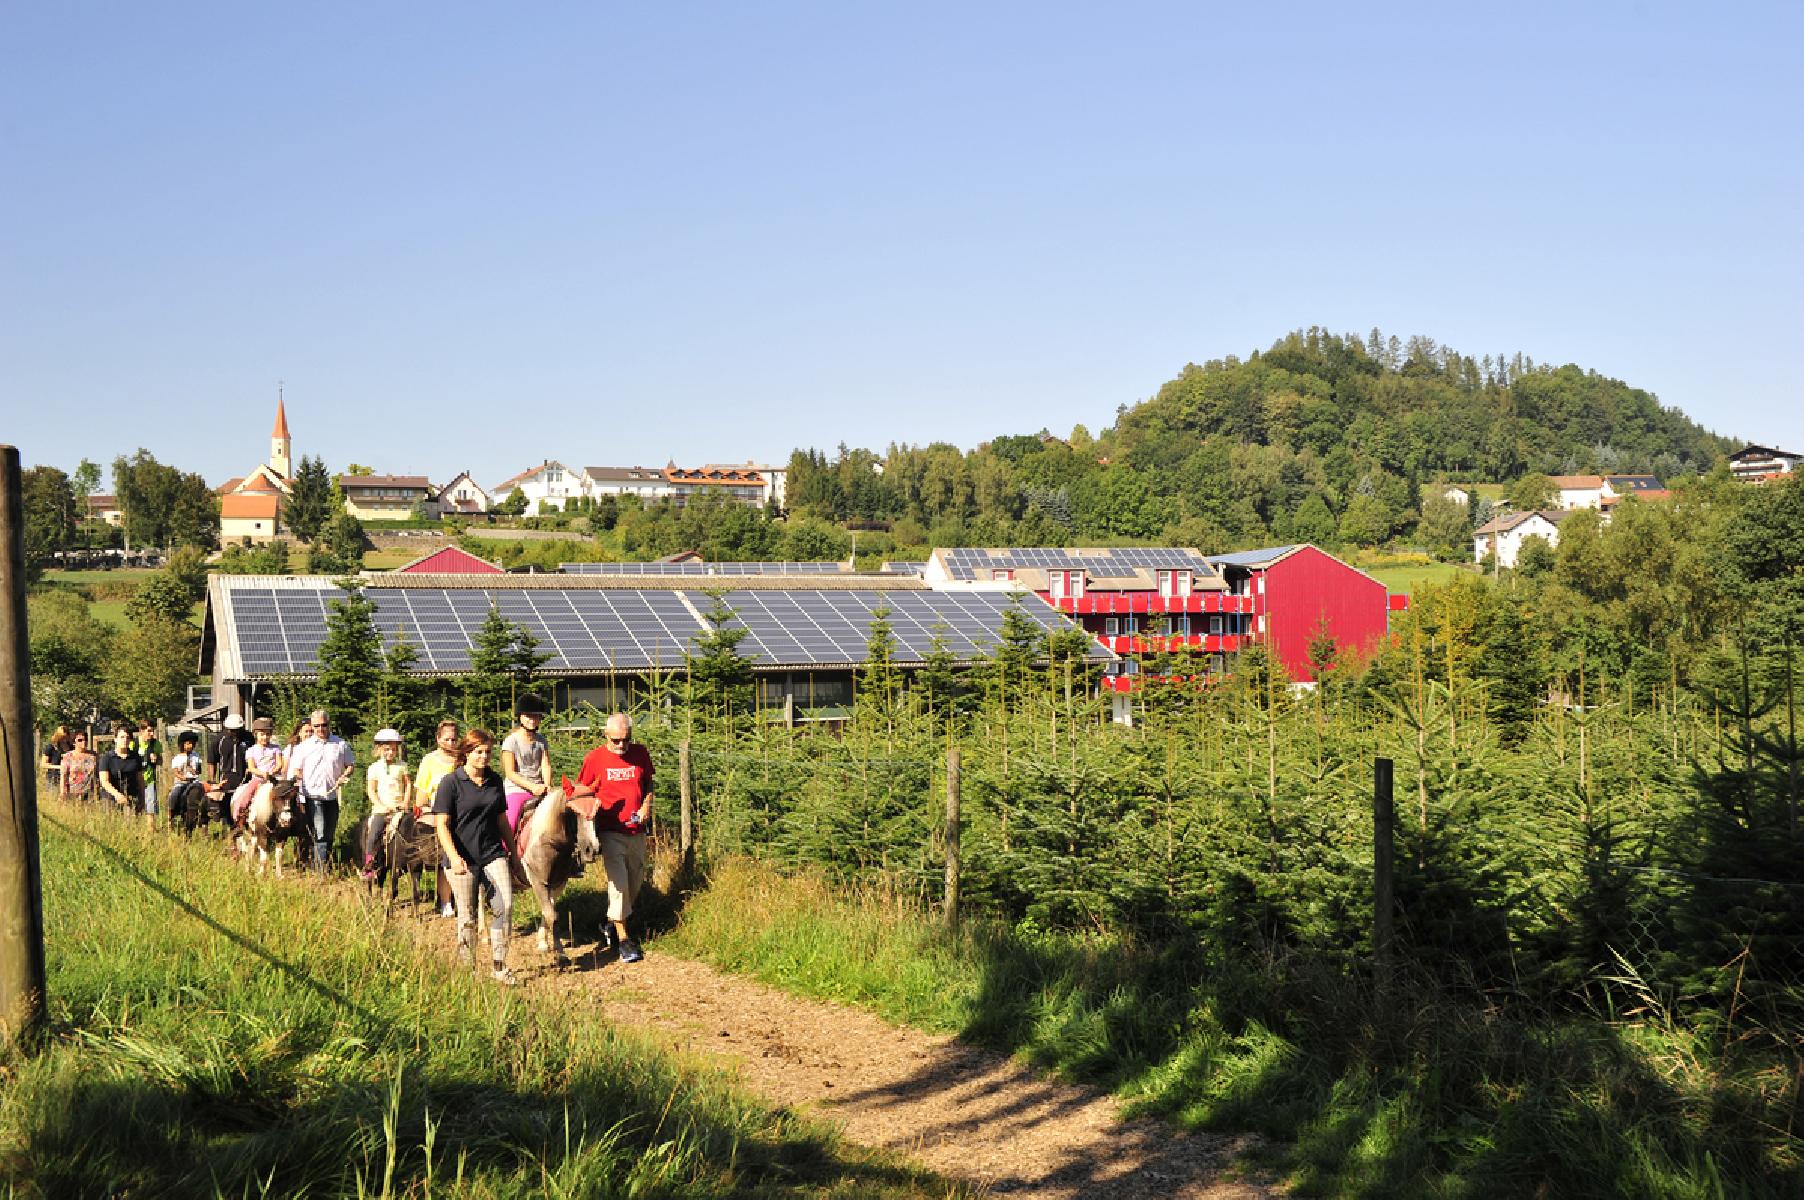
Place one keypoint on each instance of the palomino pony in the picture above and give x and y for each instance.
(272, 819)
(550, 838)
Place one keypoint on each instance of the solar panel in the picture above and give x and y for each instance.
(971, 563)
(702, 568)
(632, 629)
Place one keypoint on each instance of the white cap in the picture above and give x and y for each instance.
(234, 722)
(387, 735)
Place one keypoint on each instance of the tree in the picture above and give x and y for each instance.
(350, 659)
(942, 678)
(514, 505)
(85, 479)
(1445, 526)
(721, 677)
(339, 547)
(1313, 521)
(359, 469)
(504, 657)
(163, 506)
(1531, 492)
(163, 596)
(149, 667)
(50, 516)
(1323, 650)
(67, 646)
(309, 507)
(1368, 521)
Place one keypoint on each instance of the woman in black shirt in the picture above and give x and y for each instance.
(478, 848)
(122, 772)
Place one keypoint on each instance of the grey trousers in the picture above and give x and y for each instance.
(499, 885)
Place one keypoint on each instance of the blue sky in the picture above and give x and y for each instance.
(480, 235)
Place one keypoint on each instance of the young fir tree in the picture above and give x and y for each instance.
(942, 679)
(504, 658)
(720, 676)
(350, 659)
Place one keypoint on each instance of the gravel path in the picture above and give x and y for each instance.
(966, 1113)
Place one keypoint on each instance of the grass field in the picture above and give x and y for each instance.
(388, 560)
(1421, 1095)
(215, 1035)
(1406, 578)
(127, 577)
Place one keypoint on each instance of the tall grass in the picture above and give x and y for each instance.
(213, 1035)
(1414, 1093)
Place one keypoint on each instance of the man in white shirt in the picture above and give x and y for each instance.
(321, 764)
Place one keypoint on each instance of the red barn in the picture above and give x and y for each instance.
(450, 561)
(1294, 588)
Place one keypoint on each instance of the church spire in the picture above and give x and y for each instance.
(280, 445)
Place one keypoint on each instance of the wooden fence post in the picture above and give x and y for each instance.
(686, 796)
(22, 1006)
(952, 863)
(1384, 822)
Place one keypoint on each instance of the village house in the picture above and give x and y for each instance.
(463, 496)
(548, 487)
(647, 483)
(740, 484)
(385, 497)
(1757, 464)
(1579, 491)
(1504, 534)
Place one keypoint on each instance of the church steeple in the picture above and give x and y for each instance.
(279, 443)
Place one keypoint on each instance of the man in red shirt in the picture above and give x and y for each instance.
(618, 774)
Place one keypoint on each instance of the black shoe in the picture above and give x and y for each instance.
(630, 952)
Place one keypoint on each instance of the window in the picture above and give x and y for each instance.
(1215, 624)
(1112, 627)
(1183, 625)
(1001, 573)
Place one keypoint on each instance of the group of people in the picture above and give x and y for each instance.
(124, 774)
(473, 794)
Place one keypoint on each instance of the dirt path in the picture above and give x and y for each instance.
(964, 1112)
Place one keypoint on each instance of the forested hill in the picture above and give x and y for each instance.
(1322, 438)
(1418, 408)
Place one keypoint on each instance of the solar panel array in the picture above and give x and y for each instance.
(279, 630)
(1113, 563)
(902, 568)
(702, 568)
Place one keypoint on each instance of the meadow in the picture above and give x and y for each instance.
(211, 1034)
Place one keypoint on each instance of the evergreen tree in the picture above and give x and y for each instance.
(720, 676)
(504, 658)
(350, 659)
(310, 506)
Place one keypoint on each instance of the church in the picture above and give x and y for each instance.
(250, 506)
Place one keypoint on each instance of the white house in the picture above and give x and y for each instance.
(463, 495)
(1580, 491)
(548, 487)
(1503, 535)
(776, 479)
(1757, 464)
(647, 483)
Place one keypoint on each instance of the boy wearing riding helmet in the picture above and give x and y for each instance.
(389, 787)
(524, 759)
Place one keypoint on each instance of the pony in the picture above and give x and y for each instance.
(273, 818)
(409, 847)
(550, 840)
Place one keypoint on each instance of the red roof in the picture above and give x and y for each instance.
(451, 561)
(250, 506)
(281, 429)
